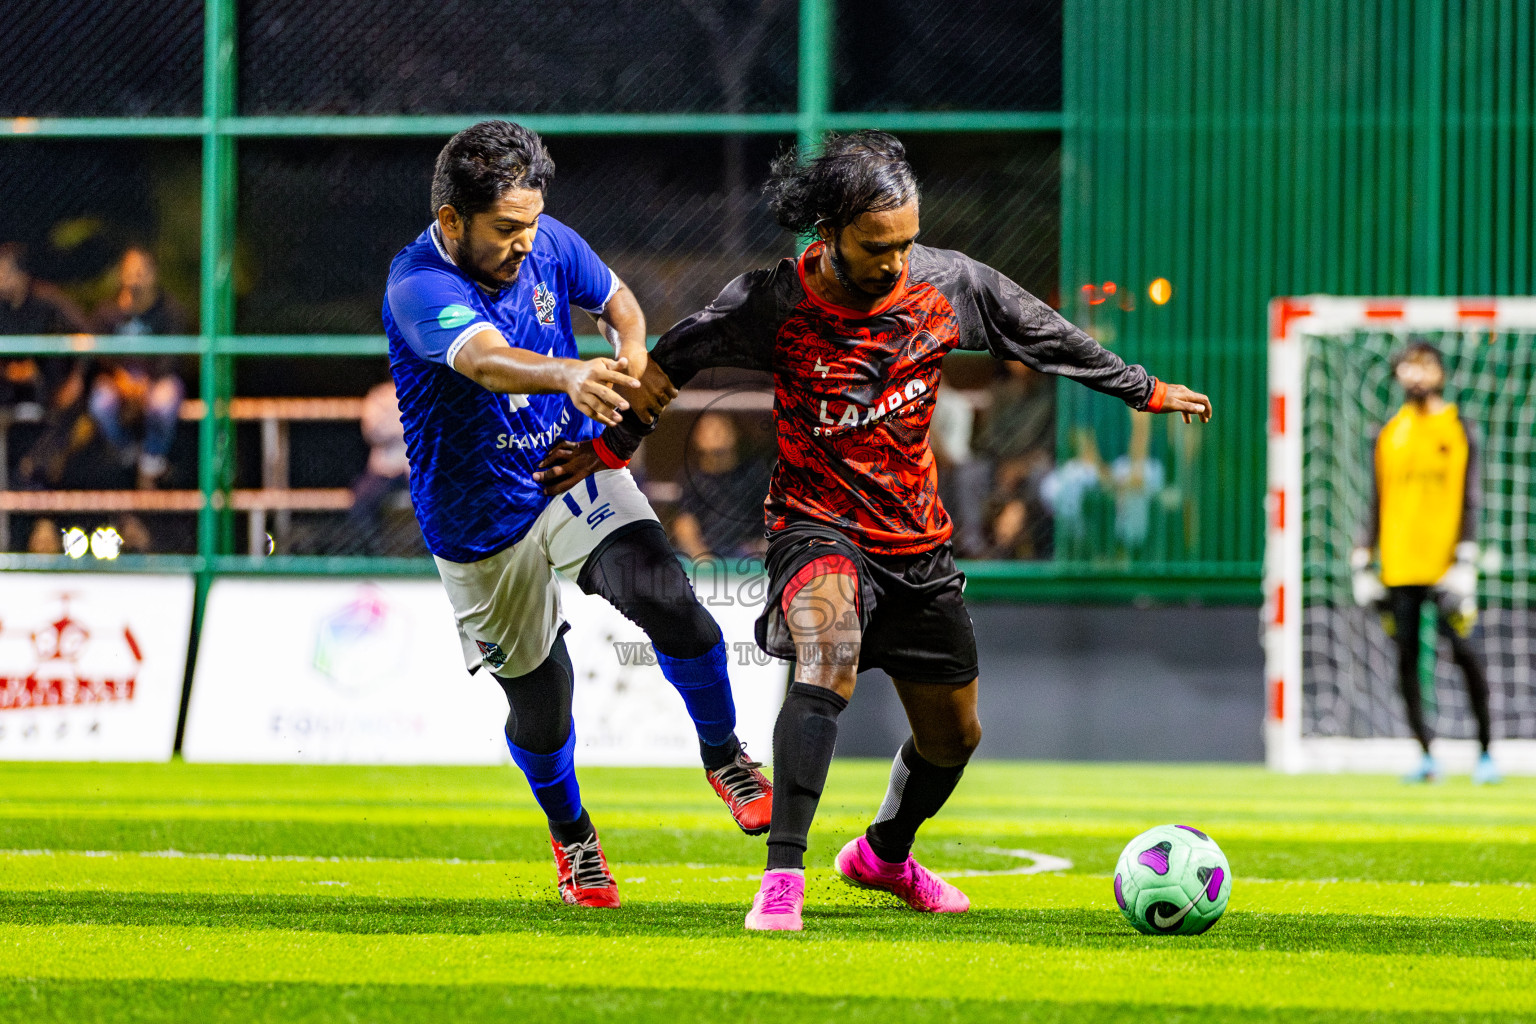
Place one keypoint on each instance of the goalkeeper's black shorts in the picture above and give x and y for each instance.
(1402, 605)
(911, 608)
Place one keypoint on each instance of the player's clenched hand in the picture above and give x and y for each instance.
(565, 465)
(591, 386)
(1180, 399)
(654, 394)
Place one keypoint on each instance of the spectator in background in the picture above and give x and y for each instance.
(1067, 487)
(30, 306)
(388, 470)
(55, 383)
(722, 494)
(1079, 492)
(1020, 442)
(45, 538)
(963, 479)
(140, 306)
(136, 401)
(1138, 478)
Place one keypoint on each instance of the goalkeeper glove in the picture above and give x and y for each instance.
(1456, 590)
(1367, 585)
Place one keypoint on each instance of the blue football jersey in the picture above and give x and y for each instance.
(473, 452)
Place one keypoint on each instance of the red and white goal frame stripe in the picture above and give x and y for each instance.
(1291, 320)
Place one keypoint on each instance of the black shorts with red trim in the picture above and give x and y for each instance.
(911, 608)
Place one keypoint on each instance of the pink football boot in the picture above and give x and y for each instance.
(776, 907)
(909, 881)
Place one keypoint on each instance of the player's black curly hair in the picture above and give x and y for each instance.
(1417, 347)
(484, 162)
(861, 172)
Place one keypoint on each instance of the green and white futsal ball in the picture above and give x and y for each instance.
(1172, 880)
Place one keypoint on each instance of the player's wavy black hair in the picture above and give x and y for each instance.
(861, 172)
(484, 162)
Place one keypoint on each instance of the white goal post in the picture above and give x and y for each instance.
(1332, 700)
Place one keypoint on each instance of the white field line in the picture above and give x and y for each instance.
(283, 858)
(1038, 863)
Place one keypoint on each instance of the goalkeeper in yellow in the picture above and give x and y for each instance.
(1422, 527)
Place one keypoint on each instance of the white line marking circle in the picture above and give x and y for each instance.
(1038, 863)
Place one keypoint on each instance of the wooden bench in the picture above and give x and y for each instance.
(307, 499)
(274, 495)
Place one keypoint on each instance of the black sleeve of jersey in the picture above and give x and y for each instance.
(1370, 526)
(1472, 487)
(1013, 324)
(734, 330)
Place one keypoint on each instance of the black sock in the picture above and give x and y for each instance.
(1471, 664)
(1405, 603)
(803, 739)
(717, 757)
(573, 831)
(918, 789)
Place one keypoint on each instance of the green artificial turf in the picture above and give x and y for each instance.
(184, 892)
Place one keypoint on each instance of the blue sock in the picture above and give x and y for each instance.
(553, 779)
(706, 690)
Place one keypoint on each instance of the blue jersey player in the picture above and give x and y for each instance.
(477, 311)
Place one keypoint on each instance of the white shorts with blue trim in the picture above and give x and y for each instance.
(508, 605)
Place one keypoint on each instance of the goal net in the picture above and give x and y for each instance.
(1333, 700)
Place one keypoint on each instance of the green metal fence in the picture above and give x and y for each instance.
(224, 126)
(1238, 149)
(1137, 201)
(1244, 149)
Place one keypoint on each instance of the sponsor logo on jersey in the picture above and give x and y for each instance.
(493, 656)
(544, 304)
(839, 416)
(454, 316)
(542, 439)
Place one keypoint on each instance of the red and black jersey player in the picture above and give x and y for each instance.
(859, 558)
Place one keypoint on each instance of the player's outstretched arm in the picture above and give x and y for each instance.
(737, 330)
(489, 361)
(1013, 324)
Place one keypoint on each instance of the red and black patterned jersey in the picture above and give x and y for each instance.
(854, 390)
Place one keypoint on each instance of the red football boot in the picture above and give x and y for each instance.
(585, 880)
(746, 792)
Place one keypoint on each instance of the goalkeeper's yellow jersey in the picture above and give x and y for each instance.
(1425, 494)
